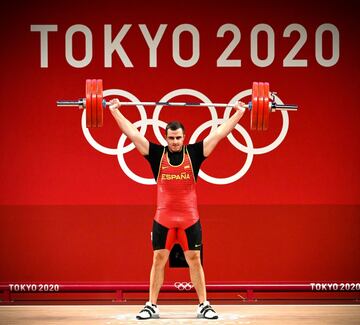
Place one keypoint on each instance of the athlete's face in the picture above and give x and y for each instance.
(175, 139)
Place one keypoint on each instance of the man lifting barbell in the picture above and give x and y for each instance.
(175, 168)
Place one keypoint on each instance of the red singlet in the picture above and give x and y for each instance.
(176, 195)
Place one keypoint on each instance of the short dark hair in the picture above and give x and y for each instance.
(174, 125)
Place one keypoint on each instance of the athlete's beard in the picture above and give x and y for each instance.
(175, 148)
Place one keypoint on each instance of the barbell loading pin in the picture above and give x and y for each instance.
(283, 107)
(72, 103)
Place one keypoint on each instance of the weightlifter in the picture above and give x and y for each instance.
(175, 168)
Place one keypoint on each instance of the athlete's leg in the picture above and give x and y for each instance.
(161, 254)
(162, 239)
(191, 241)
(157, 273)
(196, 273)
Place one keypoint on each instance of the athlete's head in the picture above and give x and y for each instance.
(175, 134)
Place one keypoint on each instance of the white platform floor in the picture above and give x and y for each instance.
(182, 314)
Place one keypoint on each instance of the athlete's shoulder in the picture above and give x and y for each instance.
(155, 151)
(195, 145)
(155, 147)
(196, 148)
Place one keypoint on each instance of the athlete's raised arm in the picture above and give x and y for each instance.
(211, 141)
(140, 142)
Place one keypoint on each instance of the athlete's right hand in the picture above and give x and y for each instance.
(240, 106)
(114, 104)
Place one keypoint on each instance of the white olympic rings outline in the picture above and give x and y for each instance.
(249, 149)
(181, 286)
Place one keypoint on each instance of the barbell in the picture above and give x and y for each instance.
(261, 105)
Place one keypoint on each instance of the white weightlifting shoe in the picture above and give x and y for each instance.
(149, 311)
(205, 310)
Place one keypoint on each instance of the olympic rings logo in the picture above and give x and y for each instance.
(156, 123)
(183, 286)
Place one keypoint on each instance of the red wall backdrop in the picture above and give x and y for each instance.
(69, 212)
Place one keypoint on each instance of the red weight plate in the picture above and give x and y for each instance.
(254, 106)
(93, 103)
(266, 113)
(88, 103)
(99, 108)
(260, 107)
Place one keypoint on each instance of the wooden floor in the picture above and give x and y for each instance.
(182, 314)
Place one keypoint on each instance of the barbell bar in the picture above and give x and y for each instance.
(260, 105)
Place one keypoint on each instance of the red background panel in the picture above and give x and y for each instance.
(241, 243)
(69, 212)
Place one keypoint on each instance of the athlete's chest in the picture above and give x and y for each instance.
(180, 173)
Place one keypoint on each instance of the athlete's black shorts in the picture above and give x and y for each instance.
(189, 238)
